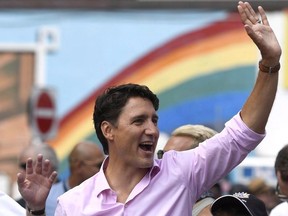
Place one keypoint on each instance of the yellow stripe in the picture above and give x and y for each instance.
(220, 59)
(194, 49)
(77, 133)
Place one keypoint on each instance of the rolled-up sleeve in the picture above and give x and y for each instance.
(217, 156)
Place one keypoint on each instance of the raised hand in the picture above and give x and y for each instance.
(261, 33)
(35, 184)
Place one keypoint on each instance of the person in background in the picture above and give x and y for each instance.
(238, 204)
(189, 137)
(34, 185)
(132, 182)
(281, 171)
(32, 151)
(85, 160)
(236, 187)
(259, 188)
(217, 189)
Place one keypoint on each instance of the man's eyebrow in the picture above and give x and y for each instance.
(156, 116)
(140, 116)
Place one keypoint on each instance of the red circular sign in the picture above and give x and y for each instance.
(45, 112)
(43, 118)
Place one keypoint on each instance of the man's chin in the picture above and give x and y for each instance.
(148, 164)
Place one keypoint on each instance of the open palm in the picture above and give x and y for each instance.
(35, 184)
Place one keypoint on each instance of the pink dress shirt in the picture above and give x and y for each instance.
(173, 183)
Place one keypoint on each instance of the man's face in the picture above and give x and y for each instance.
(283, 186)
(133, 140)
(91, 164)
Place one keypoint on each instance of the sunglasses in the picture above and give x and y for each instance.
(22, 166)
(282, 197)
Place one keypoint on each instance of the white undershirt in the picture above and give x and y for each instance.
(9, 206)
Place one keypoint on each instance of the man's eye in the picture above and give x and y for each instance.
(155, 121)
(138, 121)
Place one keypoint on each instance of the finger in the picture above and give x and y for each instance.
(241, 10)
(20, 178)
(46, 168)
(263, 16)
(29, 166)
(53, 176)
(252, 15)
(38, 168)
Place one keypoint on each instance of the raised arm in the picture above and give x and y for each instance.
(256, 110)
(35, 185)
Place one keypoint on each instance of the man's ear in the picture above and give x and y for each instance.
(107, 130)
(79, 164)
(75, 166)
(279, 177)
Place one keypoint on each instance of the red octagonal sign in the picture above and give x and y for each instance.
(43, 113)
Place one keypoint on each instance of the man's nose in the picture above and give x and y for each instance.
(152, 129)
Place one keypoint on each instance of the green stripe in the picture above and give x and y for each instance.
(236, 79)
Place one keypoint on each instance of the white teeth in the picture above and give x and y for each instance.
(147, 143)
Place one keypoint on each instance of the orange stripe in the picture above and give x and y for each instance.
(195, 49)
(73, 121)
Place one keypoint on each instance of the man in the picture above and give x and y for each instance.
(34, 185)
(281, 170)
(85, 160)
(189, 137)
(238, 204)
(132, 182)
(32, 151)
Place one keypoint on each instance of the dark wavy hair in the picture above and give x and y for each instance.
(108, 106)
(281, 163)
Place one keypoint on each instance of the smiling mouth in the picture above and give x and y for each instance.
(146, 147)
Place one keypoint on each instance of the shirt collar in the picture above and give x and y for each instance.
(101, 183)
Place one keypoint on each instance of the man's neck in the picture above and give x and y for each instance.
(72, 182)
(123, 179)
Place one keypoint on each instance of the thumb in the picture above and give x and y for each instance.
(20, 179)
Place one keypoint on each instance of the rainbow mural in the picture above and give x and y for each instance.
(203, 76)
